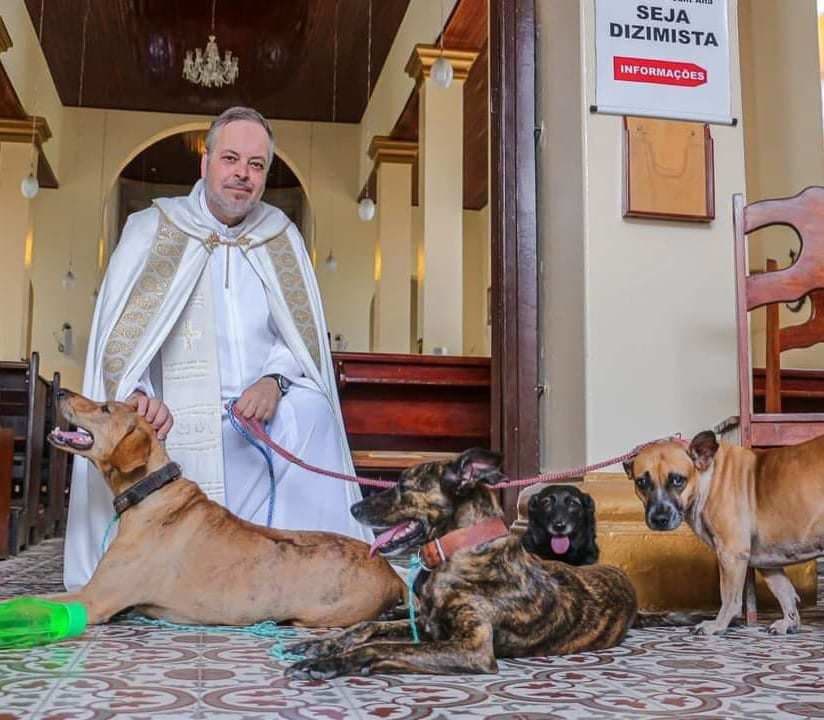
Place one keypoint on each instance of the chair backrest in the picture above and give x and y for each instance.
(792, 337)
(804, 213)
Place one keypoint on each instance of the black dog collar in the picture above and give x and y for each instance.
(145, 487)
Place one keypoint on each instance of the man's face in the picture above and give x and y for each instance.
(235, 170)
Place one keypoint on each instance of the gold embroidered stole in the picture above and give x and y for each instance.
(293, 286)
(146, 297)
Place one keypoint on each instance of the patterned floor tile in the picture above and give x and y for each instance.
(129, 669)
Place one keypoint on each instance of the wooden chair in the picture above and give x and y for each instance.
(805, 214)
(23, 408)
(6, 464)
(792, 337)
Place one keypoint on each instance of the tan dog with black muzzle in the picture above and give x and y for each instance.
(181, 557)
(759, 508)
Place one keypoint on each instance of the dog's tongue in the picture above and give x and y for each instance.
(559, 544)
(387, 536)
(79, 437)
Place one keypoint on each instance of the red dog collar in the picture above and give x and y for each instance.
(440, 549)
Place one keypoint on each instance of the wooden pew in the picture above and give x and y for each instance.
(801, 391)
(53, 488)
(400, 410)
(23, 408)
(6, 464)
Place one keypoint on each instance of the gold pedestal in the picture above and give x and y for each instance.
(670, 570)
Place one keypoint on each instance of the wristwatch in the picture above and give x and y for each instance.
(284, 383)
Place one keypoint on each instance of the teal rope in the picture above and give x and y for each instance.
(414, 567)
(266, 629)
(112, 523)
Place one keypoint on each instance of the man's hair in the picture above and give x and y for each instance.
(234, 114)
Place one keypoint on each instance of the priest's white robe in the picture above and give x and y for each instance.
(267, 317)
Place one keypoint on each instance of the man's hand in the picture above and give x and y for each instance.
(155, 412)
(259, 401)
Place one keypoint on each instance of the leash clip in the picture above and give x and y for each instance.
(423, 565)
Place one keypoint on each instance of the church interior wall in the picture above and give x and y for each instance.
(658, 352)
(421, 23)
(476, 280)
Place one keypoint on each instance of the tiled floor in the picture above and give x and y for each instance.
(130, 670)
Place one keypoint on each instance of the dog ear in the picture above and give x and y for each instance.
(628, 468)
(475, 466)
(702, 449)
(132, 451)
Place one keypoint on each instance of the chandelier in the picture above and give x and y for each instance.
(207, 68)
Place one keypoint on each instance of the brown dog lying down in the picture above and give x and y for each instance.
(763, 508)
(182, 557)
(487, 600)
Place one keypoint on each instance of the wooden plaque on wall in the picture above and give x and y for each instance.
(668, 170)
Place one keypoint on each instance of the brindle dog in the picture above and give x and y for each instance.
(494, 600)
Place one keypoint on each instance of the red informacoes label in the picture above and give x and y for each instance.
(661, 72)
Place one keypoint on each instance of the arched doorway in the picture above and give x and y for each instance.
(170, 166)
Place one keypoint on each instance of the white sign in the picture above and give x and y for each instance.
(666, 58)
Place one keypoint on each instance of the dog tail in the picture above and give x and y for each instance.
(671, 619)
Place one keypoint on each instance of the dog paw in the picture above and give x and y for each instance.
(315, 669)
(783, 627)
(708, 627)
(311, 648)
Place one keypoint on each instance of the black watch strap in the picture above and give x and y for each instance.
(284, 383)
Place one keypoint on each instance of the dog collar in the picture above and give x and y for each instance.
(145, 487)
(440, 549)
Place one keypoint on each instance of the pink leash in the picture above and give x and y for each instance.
(256, 429)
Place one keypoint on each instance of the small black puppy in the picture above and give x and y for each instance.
(562, 526)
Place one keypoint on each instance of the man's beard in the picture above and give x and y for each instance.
(235, 210)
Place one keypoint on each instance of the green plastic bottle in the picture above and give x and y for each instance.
(28, 621)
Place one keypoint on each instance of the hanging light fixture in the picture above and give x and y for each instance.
(366, 206)
(206, 68)
(441, 70)
(30, 186)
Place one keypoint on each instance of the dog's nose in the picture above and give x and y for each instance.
(558, 525)
(660, 520)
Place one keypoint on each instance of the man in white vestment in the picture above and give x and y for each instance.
(207, 298)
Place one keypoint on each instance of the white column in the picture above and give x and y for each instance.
(393, 167)
(15, 249)
(440, 170)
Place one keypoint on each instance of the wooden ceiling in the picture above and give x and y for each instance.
(175, 160)
(135, 50)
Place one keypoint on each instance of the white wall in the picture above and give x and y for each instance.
(476, 280)
(559, 104)
(659, 344)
